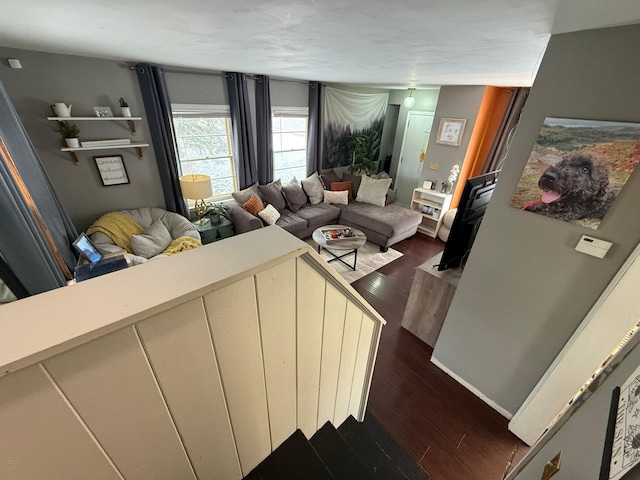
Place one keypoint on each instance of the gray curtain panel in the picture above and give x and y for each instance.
(22, 242)
(246, 162)
(157, 107)
(263, 134)
(314, 137)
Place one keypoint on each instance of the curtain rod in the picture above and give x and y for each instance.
(250, 76)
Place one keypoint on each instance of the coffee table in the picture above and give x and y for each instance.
(351, 244)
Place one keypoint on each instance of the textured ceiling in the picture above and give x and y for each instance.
(397, 43)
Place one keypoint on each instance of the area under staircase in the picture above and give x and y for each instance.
(354, 451)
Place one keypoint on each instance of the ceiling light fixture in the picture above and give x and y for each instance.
(409, 101)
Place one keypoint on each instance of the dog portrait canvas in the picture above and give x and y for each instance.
(577, 168)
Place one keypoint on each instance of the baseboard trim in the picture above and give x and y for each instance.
(472, 389)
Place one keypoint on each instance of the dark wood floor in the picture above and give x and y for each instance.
(451, 433)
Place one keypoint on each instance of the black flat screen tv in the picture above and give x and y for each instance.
(473, 203)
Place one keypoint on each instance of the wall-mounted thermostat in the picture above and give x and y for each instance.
(593, 246)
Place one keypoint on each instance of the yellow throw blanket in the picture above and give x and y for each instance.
(181, 244)
(118, 227)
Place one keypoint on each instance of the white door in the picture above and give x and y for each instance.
(416, 137)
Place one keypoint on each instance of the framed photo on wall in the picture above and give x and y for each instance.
(112, 170)
(450, 131)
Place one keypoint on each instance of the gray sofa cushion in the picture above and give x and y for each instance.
(313, 187)
(320, 214)
(388, 220)
(294, 195)
(291, 222)
(243, 195)
(272, 194)
(355, 182)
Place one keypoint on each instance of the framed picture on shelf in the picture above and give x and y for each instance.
(103, 112)
(112, 170)
(450, 131)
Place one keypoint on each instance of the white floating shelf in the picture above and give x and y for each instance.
(104, 147)
(64, 119)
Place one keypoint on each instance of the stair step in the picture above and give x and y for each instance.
(295, 459)
(367, 450)
(341, 461)
(405, 462)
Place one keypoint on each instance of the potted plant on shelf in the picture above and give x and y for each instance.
(124, 107)
(215, 211)
(69, 133)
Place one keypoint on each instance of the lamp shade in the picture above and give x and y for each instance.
(195, 186)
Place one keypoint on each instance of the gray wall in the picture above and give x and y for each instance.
(84, 82)
(453, 102)
(525, 289)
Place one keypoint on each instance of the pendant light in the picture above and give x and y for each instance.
(409, 101)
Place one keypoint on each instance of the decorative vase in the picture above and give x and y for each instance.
(126, 111)
(72, 142)
(215, 218)
(61, 110)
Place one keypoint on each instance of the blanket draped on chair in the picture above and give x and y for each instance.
(118, 227)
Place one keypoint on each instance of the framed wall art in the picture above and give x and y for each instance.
(450, 131)
(577, 168)
(112, 170)
(103, 112)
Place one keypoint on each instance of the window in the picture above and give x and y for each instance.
(203, 135)
(289, 127)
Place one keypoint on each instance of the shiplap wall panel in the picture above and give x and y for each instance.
(276, 290)
(352, 324)
(110, 384)
(233, 317)
(311, 292)
(360, 379)
(334, 314)
(40, 436)
(181, 354)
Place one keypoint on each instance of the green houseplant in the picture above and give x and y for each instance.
(215, 211)
(69, 132)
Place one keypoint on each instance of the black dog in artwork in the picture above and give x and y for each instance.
(576, 187)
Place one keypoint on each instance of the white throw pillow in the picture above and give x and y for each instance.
(373, 191)
(270, 215)
(153, 241)
(340, 197)
(313, 187)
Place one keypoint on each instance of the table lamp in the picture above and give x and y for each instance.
(196, 187)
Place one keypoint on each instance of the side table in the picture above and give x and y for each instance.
(212, 233)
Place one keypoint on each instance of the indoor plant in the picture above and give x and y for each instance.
(215, 211)
(69, 133)
(124, 107)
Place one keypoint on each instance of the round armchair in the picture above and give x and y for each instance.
(142, 233)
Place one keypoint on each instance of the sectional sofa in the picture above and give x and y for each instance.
(383, 223)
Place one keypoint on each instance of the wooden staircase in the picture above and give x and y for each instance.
(355, 451)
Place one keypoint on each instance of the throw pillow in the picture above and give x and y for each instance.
(272, 194)
(254, 205)
(355, 182)
(243, 195)
(270, 215)
(313, 188)
(294, 195)
(153, 241)
(339, 186)
(373, 191)
(339, 198)
(328, 178)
